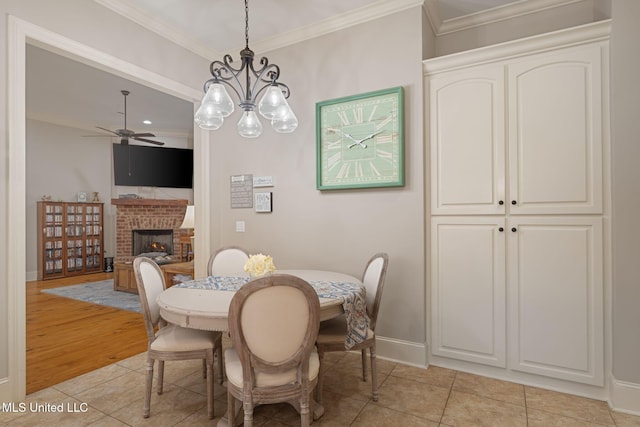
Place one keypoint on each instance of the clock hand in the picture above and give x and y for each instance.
(360, 143)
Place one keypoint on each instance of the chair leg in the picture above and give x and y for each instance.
(210, 387)
(146, 408)
(374, 376)
(231, 410)
(220, 364)
(160, 376)
(364, 364)
(304, 410)
(248, 414)
(320, 383)
(204, 368)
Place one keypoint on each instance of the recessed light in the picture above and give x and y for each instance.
(146, 122)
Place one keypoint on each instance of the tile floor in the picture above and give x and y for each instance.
(112, 396)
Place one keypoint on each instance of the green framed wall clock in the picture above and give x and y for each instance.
(360, 141)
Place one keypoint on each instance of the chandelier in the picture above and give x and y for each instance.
(247, 83)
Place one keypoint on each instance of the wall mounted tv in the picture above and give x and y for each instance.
(139, 165)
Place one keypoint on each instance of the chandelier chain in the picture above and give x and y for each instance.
(246, 23)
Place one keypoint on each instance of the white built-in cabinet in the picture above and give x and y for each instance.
(517, 146)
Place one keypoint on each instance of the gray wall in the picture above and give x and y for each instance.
(337, 230)
(625, 142)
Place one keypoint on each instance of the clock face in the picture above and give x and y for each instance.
(360, 141)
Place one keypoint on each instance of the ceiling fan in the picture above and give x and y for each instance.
(126, 134)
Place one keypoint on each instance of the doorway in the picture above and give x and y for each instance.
(21, 33)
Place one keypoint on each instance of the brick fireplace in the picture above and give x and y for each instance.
(146, 214)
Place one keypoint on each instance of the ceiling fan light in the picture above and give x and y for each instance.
(249, 125)
(271, 101)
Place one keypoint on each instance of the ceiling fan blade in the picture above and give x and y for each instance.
(135, 135)
(108, 130)
(148, 140)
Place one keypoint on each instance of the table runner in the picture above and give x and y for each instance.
(352, 295)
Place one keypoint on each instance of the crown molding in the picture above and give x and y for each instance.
(339, 22)
(152, 23)
(587, 33)
(376, 10)
(496, 14)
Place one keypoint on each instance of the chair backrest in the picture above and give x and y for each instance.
(373, 281)
(150, 282)
(228, 261)
(273, 323)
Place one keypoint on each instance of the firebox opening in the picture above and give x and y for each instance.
(152, 243)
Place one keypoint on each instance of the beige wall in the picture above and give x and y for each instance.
(336, 230)
(61, 161)
(625, 142)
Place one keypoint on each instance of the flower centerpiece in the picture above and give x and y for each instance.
(259, 265)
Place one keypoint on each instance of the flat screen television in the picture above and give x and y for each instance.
(139, 165)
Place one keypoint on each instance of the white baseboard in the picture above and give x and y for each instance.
(409, 353)
(624, 397)
(31, 276)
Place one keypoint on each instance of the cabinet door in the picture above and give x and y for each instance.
(50, 240)
(556, 297)
(93, 237)
(468, 289)
(467, 146)
(74, 230)
(555, 132)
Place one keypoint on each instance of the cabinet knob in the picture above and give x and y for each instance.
(501, 202)
(501, 229)
(513, 202)
(514, 229)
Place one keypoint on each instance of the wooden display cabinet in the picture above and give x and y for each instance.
(70, 239)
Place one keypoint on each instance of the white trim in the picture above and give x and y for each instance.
(353, 17)
(19, 34)
(13, 387)
(582, 34)
(405, 352)
(624, 397)
(489, 16)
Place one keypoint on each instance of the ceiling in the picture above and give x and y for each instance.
(63, 91)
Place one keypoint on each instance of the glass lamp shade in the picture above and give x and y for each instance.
(271, 102)
(249, 125)
(285, 120)
(207, 120)
(216, 104)
(218, 100)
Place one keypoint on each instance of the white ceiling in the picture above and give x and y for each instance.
(66, 92)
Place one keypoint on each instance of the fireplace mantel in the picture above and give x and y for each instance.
(149, 202)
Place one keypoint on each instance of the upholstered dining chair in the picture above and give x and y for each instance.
(171, 342)
(333, 332)
(273, 322)
(228, 261)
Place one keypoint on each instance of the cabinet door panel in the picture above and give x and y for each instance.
(556, 289)
(555, 132)
(468, 289)
(467, 141)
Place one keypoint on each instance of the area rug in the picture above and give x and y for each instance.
(101, 293)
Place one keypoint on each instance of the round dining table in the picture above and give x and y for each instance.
(208, 309)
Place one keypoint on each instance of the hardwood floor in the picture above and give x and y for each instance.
(66, 338)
